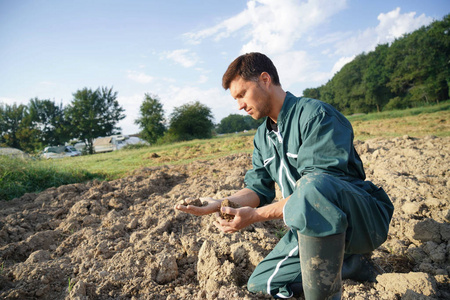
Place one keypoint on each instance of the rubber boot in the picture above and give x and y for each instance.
(321, 261)
(296, 289)
(357, 267)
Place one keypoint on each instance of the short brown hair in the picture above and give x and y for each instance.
(249, 66)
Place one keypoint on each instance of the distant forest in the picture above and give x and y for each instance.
(412, 71)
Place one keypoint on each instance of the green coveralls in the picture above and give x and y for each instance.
(312, 159)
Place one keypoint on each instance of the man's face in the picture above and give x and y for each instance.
(251, 96)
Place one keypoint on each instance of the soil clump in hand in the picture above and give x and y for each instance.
(228, 203)
(193, 201)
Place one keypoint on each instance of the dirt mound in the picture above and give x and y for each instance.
(123, 240)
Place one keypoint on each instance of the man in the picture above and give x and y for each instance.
(334, 215)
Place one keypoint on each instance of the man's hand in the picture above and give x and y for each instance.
(212, 206)
(243, 217)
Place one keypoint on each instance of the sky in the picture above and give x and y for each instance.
(178, 50)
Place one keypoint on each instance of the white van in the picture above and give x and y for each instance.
(109, 143)
(60, 152)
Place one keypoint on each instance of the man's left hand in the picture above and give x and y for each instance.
(243, 217)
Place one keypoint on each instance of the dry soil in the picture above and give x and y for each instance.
(122, 239)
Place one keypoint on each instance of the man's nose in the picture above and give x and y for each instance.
(241, 104)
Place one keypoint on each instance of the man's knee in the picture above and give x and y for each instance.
(314, 207)
(317, 183)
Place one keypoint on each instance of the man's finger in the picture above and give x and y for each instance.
(179, 207)
(192, 209)
(229, 210)
(226, 229)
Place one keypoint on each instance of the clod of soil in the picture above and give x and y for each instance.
(228, 203)
(193, 201)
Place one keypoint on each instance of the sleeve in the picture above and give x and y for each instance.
(327, 142)
(258, 179)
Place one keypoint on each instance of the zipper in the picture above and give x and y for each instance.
(280, 139)
(282, 164)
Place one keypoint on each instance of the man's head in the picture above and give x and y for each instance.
(253, 81)
(250, 66)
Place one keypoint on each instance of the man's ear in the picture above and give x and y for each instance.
(265, 78)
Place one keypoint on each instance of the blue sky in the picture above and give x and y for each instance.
(179, 50)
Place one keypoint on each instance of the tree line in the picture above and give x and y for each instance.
(41, 123)
(96, 113)
(414, 70)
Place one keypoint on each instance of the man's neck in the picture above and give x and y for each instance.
(278, 95)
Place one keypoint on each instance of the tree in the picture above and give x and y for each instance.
(3, 124)
(376, 77)
(49, 119)
(312, 93)
(191, 121)
(151, 119)
(12, 122)
(252, 123)
(94, 113)
(348, 88)
(235, 123)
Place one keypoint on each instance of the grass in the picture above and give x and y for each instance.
(117, 164)
(418, 122)
(71, 284)
(18, 176)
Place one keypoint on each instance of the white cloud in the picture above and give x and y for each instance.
(394, 25)
(298, 67)
(340, 63)
(391, 25)
(272, 26)
(221, 30)
(183, 57)
(139, 77)
(277, 25)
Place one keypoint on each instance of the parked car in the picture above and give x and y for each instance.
(60, 152)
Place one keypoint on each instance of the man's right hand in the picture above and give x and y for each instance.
(212, 206)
